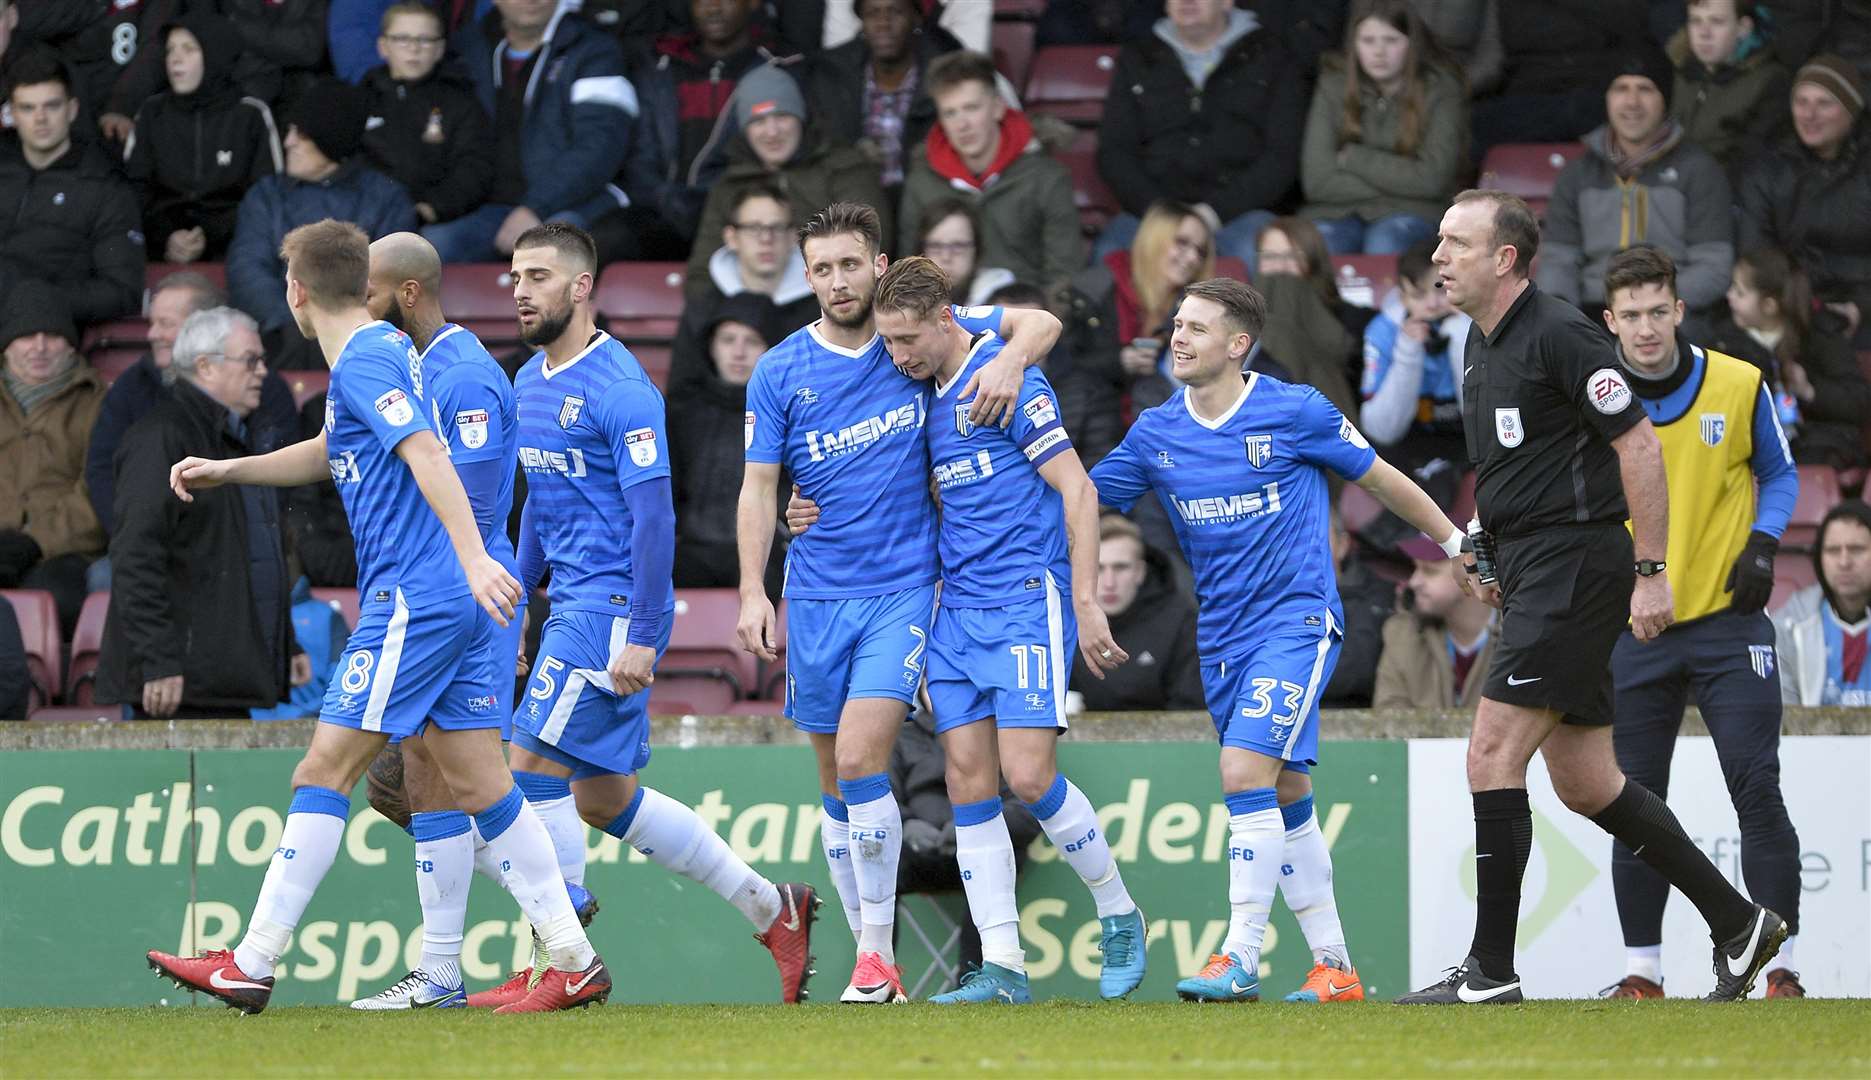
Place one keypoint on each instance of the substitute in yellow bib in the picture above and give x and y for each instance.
(1732, 487)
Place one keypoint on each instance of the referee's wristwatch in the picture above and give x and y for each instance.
(1650, 567)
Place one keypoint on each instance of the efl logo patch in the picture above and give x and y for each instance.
(979, 311)
(963, 426)
(569, 410)
(747, 432)
(1041, 411)
(472, 426)
(642, 444)
(395, 408)
(1714, 427)
(1352, 435)
(1761, 659)
(1259, 450)
(1608, 392)
(1507, 427)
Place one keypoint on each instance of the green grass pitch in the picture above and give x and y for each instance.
(1577, 1038)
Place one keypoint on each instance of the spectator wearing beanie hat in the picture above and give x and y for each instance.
(49, 399)
(1811, 195)
(778, 145)
(1639, 182)
(324, 178)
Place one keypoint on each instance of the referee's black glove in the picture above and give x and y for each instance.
(1752, 576)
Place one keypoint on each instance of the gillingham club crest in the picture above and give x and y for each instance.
(569, 410)
(1259, 450)
(1714, 426)
(963, 426)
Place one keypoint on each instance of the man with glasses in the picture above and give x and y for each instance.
(425, 129)
(757, 255)
(200, 618)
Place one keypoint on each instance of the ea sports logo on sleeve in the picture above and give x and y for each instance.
(1608, 392)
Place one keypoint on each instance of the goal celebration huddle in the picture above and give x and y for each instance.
(945, 552)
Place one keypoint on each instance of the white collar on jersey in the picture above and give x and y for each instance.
(981, 339)
(447, 329)
(547, 371)
(855, 354)
(1253, 377)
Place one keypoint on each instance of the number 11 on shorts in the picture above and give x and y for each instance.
(1022, 656)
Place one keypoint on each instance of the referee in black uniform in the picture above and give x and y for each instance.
(1563, 456)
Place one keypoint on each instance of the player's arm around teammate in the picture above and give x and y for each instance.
(1030, 334)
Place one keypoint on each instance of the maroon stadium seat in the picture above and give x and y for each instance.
(38, 628)
(1364, 279)
(756, 708)
(111, 363)
(1230, 267)
(342, 600)
(78, 714)
(1012, 42)
(1096, 205)
(1019, 9)
(86, 641)
(1069, 81)
(689, 694)
(1357, 508)
(704, 652)
(1792, 572)
(118, 334)
(306, 385)
(655, 361)
(640, 301)
(1819, 492)
(773, 672)
(479, 297)
(1528, 170)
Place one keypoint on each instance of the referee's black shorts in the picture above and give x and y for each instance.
(1565, 599)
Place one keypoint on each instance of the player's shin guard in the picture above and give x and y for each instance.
(307, 846)
(551, 799)
(1306, 884)
(984, 851)
(519, 844)
(876, 843)
(1072, 825)
(444, 869)
(835, 839)
(1256, 838)
(672, 836)
(484, 862)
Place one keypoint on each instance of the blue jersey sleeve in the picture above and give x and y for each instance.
(377, 386)
(979, 318)
(634, 427)
(1120, 477)
(1380, 335)
(1328, 440)
(468, 417)
(1036, 428)
(765, 425)
(1773, 467)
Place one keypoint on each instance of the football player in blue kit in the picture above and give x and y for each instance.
(600, 517)
(424, 578)
(828, 405)
(1240, 468)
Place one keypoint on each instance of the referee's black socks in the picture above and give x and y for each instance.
(1647, 826)
(1503, 839)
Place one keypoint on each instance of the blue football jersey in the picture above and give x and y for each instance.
(1246, 495)
(1003, 526)
(590, 430)
(375, 402)
(848, 426)
(477, 418)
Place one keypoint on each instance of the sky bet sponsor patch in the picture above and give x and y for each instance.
(395, 408)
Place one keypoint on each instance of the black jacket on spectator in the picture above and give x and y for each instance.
(1567, 46)
(193, 156)
(282, 45)
(138, 390)
(1830, 425)
(182, 600)
(1233, 143)
(432, 137)
(321, 533)
(1368, 601)
(1084, 368)
(1818, 212)
(144, 75)
(15, 678)
(689, 362)
(1158, 631)
(76, 224)
(834, 87)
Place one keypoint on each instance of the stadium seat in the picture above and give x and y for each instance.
(1069, 81)
(117, 334)
(1018, 9)
(479, 297)
(1012, 42)
(640, 301)
(662, 706)
(342, 600)
(704, 660)
(655, 361)
(1819, 492)
(1230, 267)
(86, 641)
(1364, 279)
(755, 708)
(1096, 205)
(153, 273)
(1528, 170)
(1792, 572)
(306, 385)
(77, 714)
(37, 613)
(111, 362)
(772, 684)
(1357, 508)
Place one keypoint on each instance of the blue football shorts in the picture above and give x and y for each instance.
(1012, 663)
(1267, 698)
(570, 712)
(405, 667)
(857, 647)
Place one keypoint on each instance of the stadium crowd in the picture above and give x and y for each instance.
(1093, 157)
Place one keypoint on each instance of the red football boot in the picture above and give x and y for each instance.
(789, 939)
(214, 973)
(517, 986)
(560, 990)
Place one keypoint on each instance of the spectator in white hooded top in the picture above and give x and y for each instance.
(1412, 384)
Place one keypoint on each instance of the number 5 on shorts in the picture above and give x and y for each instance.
(547, 685)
